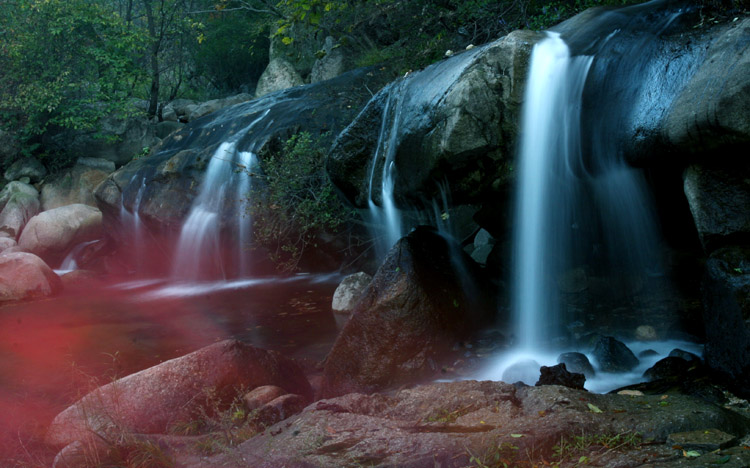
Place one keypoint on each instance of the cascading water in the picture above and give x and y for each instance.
(581, 210)
(133, 226)
(199, 254)
(386, 219)
(550, 141)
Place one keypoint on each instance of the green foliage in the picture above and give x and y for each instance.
(64, 63)
(297, 202)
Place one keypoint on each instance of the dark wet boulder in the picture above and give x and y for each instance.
(577, 363)
(456, 120)
(559, 375)
(711, 111)
(612, 355)
(162, 186)
(726, 301)
(412, 313)
(669, 367)
(152, 400)
(718, 197)
(686, 355)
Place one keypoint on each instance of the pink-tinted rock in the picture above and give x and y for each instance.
(26, 276)
(154, 399)
(262, 395)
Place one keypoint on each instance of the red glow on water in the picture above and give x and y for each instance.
(53, 351)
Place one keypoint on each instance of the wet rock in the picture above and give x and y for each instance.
(559, 375)
(26, 276)
(688, 356)
(669, 367)
(166, 128)
(75, 185)
(577, 363)
(613, 356)
(175, 391)
(726, 315)
(718, 197)
(278, 75)
(647, 353)
(402, 329)
(711, 111)
(458, 122)
(51, 234)
(26, 167)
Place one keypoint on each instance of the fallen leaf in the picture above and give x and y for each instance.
(594, 408)
(516, 436)
(691, 453)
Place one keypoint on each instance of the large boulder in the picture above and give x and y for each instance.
(470, 423)
(17, 212)
(455, 120)
(712, 110)
(76, 185)
(152, 400)
(213, 105)
(52, 234)
(726, 316)
(719, 198)
(612, 355)
(278, 75)
(26, 167)
(403, 328)
(26, 276)
(349, 292)
(162, 186)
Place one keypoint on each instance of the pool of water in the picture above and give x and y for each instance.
(53, 351)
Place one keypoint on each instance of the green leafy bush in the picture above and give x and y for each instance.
(297, 202)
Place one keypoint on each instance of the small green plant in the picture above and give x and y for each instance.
(297, 202)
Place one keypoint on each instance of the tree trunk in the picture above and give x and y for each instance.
(153, 101)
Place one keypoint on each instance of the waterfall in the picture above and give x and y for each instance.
(580, 209)
(133, 226)
(201, 251)
(550, 141)
(386, 219)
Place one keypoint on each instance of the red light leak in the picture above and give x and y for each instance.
(55, 350)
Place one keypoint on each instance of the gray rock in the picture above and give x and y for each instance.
(17, 212)
(182, 107)
(704, 441)
(26, 167)
(718, 199)
(646, 333)
(151, 400)
(526, 371)
(168, 114)
(205, 108)
(6, 243)
(349, 291)
(26, 276)
(332, 64)
(16, 187)
(613, 356)
(279, 75)
(75, 185)
(51, 234)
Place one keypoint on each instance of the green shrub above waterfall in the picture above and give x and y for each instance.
(297, 202)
